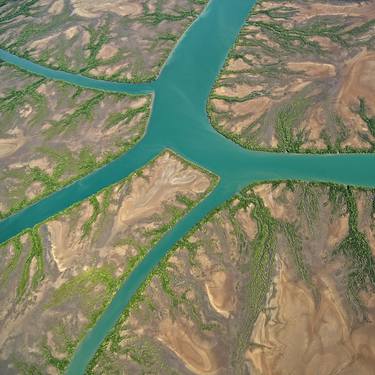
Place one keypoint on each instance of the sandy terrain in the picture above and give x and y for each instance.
(9, 146)
(85, 257)
(126, 40)
(317, 76)
(196, 315)
(55, 133)
(197, 353)
(86, 8)
(220, 291)
(107, 51)
(360, 83)
(167, 178)
(56, 7)
(298, 337)
(313, 69)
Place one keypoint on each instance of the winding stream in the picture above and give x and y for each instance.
(179, 122)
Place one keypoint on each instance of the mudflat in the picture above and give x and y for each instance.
(62, 274)
(300, 78)
(123, 40)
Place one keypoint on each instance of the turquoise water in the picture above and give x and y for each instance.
(179, 122)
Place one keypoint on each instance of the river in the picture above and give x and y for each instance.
(179, 122)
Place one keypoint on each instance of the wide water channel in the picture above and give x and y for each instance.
(179, 122)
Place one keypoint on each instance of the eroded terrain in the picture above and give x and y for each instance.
(300, 78)
(58, 277)
(52, 133)
(124, 40)
(281, 280)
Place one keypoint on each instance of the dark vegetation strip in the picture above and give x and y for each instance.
(356, 249)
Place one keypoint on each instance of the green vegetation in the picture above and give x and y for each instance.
(67, 166)
(308, 203)
(279, 12)
(96, 210)
(83, 289)
(295, 245)
(116, 118)
(51, 360)
(10, 267)
(356, 249)
(286, 121)
(84, 111)
(98, 37)
(261, 251)
(281, 37)
(230, 99)
(158, 16)
(23, 8)
(36, 252)
(260, 271)
(370, 121)
(83, 285)
(26, 368)
(16, 98)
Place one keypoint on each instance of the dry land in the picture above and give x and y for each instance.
(52, 133)
(280, 280)
(57, 278)
(300, 78)
(126, 40)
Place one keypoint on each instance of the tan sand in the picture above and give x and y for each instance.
(167, 177)
(56, 8)
(313, 69)
(9, 146)
(107, 51)
(196, 352)
(298, 337)
(88, 8)
(221, 293)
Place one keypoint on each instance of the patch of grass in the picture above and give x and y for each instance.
(356, 248)
(49, 182)
(115, 118)
(86, 228)
(27, 368)
(260, 271)
(51, 360)
(17, 251)
(279, 12)
(17, 98)
(36, 252)
(98, 37)
(286, 120)
(308, 203)
(84, 110)
(22, 8)
(157, 17)
(232, 99)
(295, 245)
(83, 285)
(370, 121)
